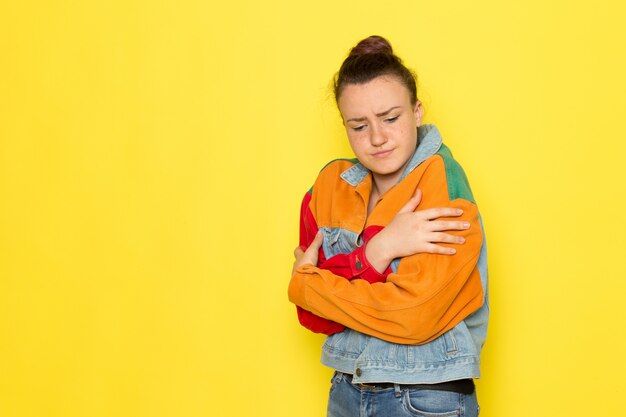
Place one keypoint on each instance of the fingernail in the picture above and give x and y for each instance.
(452, 250)
(466, 225)
(461, 240)
(459, 211)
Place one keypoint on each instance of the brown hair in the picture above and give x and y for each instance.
(371, 58)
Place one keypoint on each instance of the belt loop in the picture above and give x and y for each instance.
(396, 388)
(338, 376)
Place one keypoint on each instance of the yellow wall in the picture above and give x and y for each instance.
(152, 159)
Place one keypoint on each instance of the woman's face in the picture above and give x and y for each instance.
(381, 124)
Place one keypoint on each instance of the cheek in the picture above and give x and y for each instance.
(356, 144)
(408, 133)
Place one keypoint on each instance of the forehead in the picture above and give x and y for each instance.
(375, 96)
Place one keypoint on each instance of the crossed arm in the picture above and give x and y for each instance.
(429, 293)
(409, 233)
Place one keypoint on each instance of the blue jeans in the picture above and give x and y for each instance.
(348, 400)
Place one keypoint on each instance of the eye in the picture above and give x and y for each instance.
(358, 128)
(391, 119)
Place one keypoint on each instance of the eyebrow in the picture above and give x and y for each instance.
(360, 119)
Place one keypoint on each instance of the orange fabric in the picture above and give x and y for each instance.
(428, 295)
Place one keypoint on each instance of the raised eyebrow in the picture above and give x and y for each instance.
(385, 113)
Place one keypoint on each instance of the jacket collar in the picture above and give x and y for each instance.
(429, 142)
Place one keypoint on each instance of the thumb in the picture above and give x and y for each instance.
(412, 204)
(297, 252)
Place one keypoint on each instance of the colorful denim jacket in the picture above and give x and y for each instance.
(427, 322)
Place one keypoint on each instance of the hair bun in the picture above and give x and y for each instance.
(372, 45)
(371, 58)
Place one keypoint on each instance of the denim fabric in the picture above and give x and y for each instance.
(348, 400)
(454, 355)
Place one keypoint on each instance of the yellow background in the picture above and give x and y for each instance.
(153, 155)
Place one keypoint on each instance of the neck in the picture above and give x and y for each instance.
(383, 183)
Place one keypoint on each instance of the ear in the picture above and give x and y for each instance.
(419, 113)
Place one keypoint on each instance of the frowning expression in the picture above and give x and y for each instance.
(381, 123)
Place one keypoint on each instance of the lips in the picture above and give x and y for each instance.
(382, 154)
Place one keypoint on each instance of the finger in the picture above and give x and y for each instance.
(412, 204)
(298, 252)
(440, 225)
(317, 242)
(435, 213)
(440, 250)
(446, 238)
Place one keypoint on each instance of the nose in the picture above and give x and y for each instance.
(377, 136)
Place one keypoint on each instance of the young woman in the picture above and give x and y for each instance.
(400, 292)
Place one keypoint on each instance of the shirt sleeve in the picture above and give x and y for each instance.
(348, 266)
(355, 264)
(427, 296)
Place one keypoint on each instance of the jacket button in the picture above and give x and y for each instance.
(358, 372)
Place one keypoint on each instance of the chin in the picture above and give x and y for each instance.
(384, 171)
(386, 167)
(389, 168)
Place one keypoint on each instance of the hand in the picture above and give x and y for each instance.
(310, 255)
(411, 232)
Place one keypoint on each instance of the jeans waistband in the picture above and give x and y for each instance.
(461, 386)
